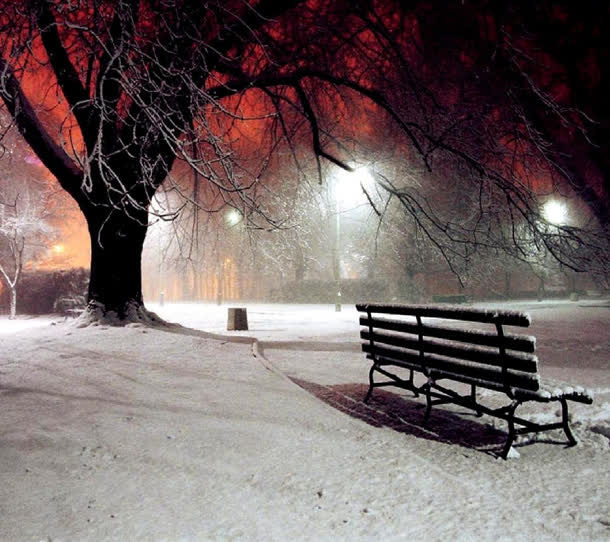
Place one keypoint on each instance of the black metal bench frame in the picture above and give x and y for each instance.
(494, 360)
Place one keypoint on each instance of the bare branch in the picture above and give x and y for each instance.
(66, 74)
(50, 153)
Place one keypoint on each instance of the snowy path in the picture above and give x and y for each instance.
(139, 434)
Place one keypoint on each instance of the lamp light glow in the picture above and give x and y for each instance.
(350, 186)
(555, 212)
(233, 217)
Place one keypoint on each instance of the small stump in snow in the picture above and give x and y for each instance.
(238, 319)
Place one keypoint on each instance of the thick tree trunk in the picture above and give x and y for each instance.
(116, 261)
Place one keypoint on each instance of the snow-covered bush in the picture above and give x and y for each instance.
(46, 292)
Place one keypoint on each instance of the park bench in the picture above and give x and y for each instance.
(439, 341)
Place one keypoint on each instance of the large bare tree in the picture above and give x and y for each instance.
(119, 98)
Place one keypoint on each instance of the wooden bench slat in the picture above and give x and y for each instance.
(495, 375)
(487, 316)
(522, 343)
(438, 374)
(517, 360)
(477, 381)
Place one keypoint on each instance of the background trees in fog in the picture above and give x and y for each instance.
(25, 229)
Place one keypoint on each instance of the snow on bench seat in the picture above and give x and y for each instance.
(551, 392)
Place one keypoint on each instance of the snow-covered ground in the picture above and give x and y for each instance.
(196, 433)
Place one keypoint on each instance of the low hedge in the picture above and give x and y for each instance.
(48, 292)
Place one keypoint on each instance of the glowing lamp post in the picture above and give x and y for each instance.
(233, 217)
(555, 212)
(348, 193)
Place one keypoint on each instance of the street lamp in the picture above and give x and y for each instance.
(349, 192)
(350, 187)
(230, 269)
(233, 217)
(556, 212)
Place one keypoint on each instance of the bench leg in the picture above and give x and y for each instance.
(428, 402)
(511, 429)
(565, 422)
(371, 384)
(473, 398)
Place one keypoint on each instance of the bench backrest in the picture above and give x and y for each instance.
(450, 347)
